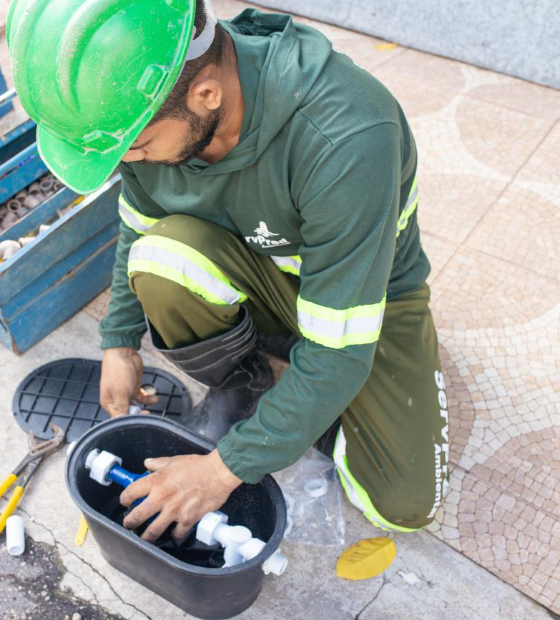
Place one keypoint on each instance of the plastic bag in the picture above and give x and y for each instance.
(314, 500)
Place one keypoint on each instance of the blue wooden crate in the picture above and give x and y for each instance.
(63, 268)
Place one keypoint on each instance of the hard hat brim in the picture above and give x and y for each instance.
(82, 172)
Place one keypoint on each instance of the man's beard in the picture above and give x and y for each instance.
(201, 133)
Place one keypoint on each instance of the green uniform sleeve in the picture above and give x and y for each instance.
(124, 324)
(350, 206)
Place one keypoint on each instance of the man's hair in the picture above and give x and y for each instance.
(175, 104)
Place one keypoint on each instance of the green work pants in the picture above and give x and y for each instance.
(392, 450)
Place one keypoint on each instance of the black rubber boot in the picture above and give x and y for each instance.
(230, 365)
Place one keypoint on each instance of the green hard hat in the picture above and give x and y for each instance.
(93, 73)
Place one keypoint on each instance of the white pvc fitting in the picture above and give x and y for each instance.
(149, 389)
(34, 200)
(15, 535)
(9, 219)
(99, 464)
(134, 410)
(46, 185)
(317, 487)
(8, 248)
(276, 564)
(207, 526)
(251, 548)
(239, 545)
(13, 205)
(232, 536)
(43, 228)
(34, 188)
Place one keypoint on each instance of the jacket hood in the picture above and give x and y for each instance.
(279, 62)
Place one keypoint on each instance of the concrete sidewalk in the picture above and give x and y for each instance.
(428, 580)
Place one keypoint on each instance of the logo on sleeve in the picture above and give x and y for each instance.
(264, 237)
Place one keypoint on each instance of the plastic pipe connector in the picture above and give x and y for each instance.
(22, 211)
(207, 526)
(8, 248)
(34, 200)
(238, 542)
(100, 465)
(34, 188)
(213, 529)
(15, 535)
(47, 186)
(276, 564)
(13, 205)
(9, 219)
(316, 487)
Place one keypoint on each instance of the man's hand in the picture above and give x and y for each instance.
(121, 376)
(182, 489)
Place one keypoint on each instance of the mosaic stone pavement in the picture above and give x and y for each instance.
(489, 150)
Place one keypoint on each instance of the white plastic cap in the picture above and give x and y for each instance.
(99, 464)
(316, 487)
(15, 535)
(134, 410)
(207, 526)
(276, 564)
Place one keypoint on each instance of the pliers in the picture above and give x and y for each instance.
(23, 472)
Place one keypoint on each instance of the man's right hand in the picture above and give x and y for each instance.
(121, 376)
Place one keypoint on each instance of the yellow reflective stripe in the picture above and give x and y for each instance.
(340, 328)
(288, 264)
(133, 218)
(356, 492)
(410, 207)
(183, 265)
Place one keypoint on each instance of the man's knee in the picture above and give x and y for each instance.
(408, 508)
(182, 257)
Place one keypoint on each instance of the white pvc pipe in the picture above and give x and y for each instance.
(15, 535)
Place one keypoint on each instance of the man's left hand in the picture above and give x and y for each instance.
(182, 489)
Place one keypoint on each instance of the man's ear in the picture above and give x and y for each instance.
(205, 96)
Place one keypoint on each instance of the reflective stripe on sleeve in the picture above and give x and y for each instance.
(355, 491)
(183, 265)
(410, 207)
(288, 264)
(133, 218)
(340, 328)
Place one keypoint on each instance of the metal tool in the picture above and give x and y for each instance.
(25, 470)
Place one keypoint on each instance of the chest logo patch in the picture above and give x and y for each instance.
(265, 238)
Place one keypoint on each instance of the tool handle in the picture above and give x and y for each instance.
(10, 506)
(7, 483)
(81, 533)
